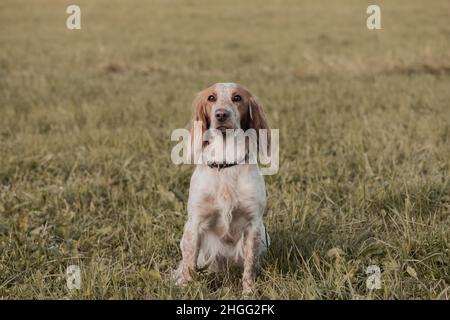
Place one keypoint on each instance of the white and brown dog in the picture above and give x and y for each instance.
(226, 198)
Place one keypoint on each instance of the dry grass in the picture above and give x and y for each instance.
(85, 123)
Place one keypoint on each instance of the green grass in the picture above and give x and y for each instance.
(85, 123)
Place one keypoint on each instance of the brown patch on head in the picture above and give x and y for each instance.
(202, 113)
(252, 113)
(243, 106)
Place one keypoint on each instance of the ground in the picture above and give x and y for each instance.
(85, 123)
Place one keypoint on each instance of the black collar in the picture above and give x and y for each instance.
(219, 166)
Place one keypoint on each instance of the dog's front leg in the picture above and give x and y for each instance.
(251, 260)
(190, 244)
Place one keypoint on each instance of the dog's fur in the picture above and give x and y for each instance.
(226, 206)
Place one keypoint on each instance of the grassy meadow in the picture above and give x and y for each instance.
(85, 123)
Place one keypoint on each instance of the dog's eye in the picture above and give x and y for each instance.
(211, 98)
(237, 98)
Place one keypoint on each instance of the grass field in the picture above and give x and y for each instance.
(85, 123)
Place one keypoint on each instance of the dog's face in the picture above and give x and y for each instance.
(228, 106)
(224, 105)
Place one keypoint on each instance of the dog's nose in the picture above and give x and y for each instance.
(222, 115)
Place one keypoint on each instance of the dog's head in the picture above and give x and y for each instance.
(228, 106)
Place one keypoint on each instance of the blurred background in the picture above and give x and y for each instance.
(85, 123)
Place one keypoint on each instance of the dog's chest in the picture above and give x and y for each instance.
(226, 212)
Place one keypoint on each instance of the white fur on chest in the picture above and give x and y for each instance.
(224, 204)
(235, 188)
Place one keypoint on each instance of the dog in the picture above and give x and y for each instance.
(227, 198)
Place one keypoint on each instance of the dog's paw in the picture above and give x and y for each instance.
(247, 290)
(180, 278)
(247, 293)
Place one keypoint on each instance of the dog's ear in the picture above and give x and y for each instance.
(257, 120)
(200, 115)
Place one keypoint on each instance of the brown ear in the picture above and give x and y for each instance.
(257, 120)
(201, 115)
